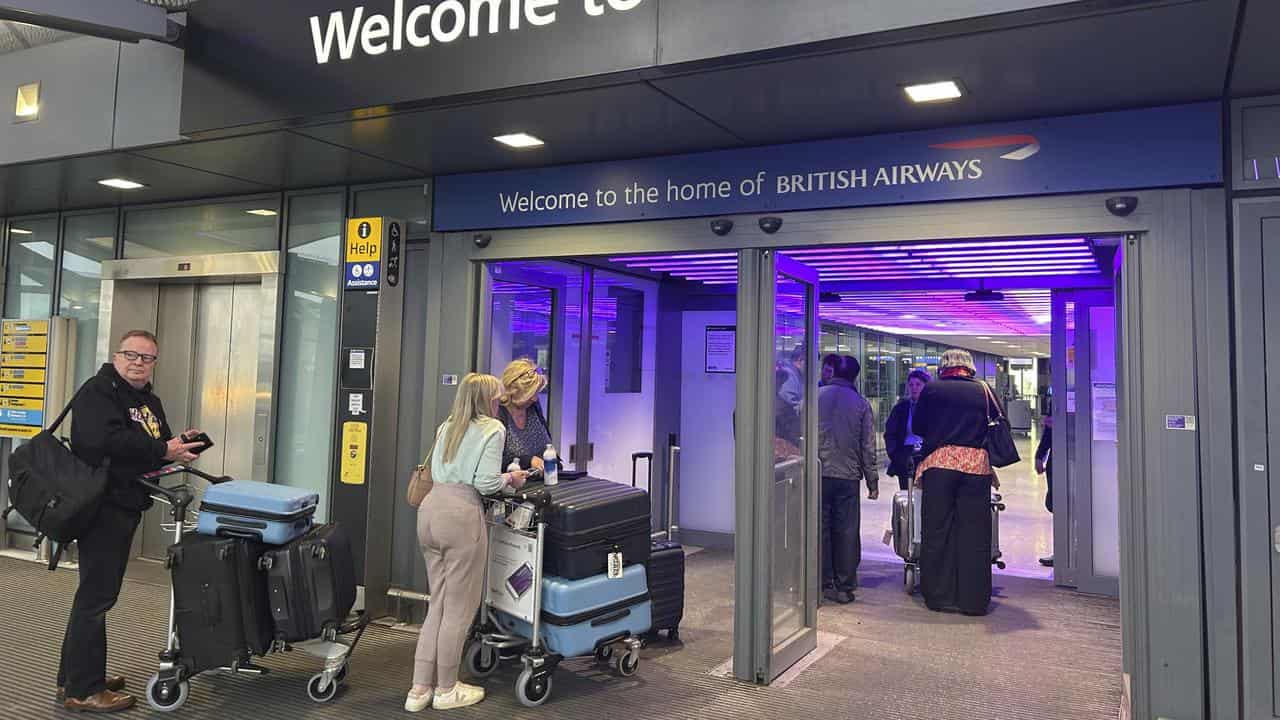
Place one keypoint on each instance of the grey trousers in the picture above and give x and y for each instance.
(455, 543)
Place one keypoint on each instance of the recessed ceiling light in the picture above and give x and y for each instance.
(519, 140)
(1043, 319)
(19, 231)
(27, 106)
(999, 342)
(121, 184)
(934, 92)
(263, 212)
(908, 317)
(984, 337)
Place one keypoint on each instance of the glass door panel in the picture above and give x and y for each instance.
(793, 346)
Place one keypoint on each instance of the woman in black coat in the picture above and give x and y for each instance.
(900, 439)
(956, 475)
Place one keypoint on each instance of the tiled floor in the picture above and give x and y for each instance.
(1026, 528)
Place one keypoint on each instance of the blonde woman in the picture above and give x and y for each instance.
(528, 434)
(465, 464)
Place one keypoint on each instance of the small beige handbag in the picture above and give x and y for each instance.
(420, 481)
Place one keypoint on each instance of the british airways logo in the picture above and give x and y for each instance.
(1024, 146)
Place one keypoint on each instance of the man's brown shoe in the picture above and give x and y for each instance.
(103, 702)
(114, 682)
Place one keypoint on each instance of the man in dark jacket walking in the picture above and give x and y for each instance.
(116, 419)
(1044, 452)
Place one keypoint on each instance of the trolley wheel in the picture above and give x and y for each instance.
(533, 689)
(629, 663)
(673, 635)
(315, 693)
(166, 695)
(342, 675)
(604, 653)
(481, 660)
(909, 579)
(1000, 564)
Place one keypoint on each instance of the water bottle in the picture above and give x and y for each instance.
(551, 465)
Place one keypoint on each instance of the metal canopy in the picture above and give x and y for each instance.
(1122, 56)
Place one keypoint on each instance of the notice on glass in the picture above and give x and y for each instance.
(512, 558)
(722, 346)
(357, 360)
(1104, 412)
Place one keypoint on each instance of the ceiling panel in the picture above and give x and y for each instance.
(72, 183)
(282, 160)
(614, 122)
(1257, 69)
(1169, 54)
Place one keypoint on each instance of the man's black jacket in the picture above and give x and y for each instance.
(113, 420)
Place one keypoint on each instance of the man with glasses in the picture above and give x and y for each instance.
(118, 420)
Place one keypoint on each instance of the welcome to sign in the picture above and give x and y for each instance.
(1159, 147)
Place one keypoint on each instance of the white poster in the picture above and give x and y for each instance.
(1104, 412)
(722, 346)
(512, 557)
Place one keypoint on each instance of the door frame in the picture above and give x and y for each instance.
(756, 657)
(1259, 682)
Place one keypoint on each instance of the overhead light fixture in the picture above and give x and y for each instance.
(263, 212)
(121, 184)
(519, 140)
(27, 106)
(19, 231)
(984, 337)
(934, 92)
(1043, 319)
(908, 317)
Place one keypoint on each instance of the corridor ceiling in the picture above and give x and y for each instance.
(1071, 58)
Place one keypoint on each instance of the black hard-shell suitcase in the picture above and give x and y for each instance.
(665, 571)
(311, 583)
(220, 601)
(589, 518)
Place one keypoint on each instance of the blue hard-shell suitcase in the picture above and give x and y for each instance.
(272, 514)
(579, 616)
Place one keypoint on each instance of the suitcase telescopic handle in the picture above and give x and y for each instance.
(636, 457)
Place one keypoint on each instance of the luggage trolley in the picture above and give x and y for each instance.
(490, 643)
(168, 689)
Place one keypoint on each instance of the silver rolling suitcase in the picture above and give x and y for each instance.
(905, 534)
(997, 507)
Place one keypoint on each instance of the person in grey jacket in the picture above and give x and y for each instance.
(847, 431)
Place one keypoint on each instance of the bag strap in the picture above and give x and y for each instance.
(991, 402)
(66, 410)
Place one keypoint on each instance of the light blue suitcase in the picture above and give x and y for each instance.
(268, 513)
(580, 615)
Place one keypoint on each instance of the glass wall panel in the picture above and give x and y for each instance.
(228, 227)
(309, 351)
(410, 203)
(88, 240)
(28, 289)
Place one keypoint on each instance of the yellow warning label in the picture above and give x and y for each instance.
(19, 431)
(355, 440)
(22, 375)
(21, 403)
(22, 391)
(22, 360)
(26, 327)
(25, 343)
(364, 240)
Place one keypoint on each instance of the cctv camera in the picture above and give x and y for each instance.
(482, 240)
(721, 226)
(770, 224)
(1122, 206)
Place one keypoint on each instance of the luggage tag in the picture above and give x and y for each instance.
(615, 565)
(521, 518)
(888, 536)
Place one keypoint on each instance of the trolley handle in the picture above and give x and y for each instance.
(179, 497)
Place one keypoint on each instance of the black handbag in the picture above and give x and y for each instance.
(55, 491)
(1001, 450)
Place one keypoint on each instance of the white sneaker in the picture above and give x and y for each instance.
(417, 703)
(462, 695)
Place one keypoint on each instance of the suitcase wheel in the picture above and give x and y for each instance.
(321, 695)
(166, 695)
(481, 660)
(604, 653)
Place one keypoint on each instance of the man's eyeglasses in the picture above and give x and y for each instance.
(132, 356)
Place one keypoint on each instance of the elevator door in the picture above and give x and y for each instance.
(207, 378)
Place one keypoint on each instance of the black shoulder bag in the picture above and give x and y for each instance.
(1001, 450)
(55, 491)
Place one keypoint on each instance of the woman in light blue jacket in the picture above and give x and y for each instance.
(466, 462)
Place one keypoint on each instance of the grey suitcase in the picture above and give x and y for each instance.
(906, 532)
(997, 507)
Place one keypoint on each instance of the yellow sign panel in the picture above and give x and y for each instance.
(26, 327)
(21, 403)
(24, 391)
(364, 240)
(25, 343)
(19, 431)
(355, 441)
(22, 375)
(22, 360)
